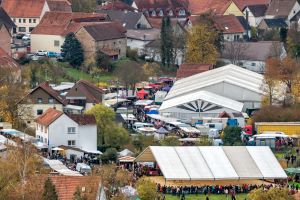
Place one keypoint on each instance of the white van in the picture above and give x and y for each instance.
(138, 125)
(83, 168)
(218, 126)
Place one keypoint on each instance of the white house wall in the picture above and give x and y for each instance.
(58, 131)
(139, 45)
(46, 42)
(88, 137)
(253, 21)
(255, 66)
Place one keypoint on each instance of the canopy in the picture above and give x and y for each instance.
(141, 94)
(166, 88)
(126, 159)
(151, 112)
(214, 162)
(126, 152)
(59, 167)
(161, 130)
(143, 102)
(57, 149)
(292, 170)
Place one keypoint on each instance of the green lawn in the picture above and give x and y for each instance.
(202, 197)
(78, 74)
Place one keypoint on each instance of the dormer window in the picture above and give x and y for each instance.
(171, 13)
(161, 13)
(181, 12)
(146, 13)
(153, 14)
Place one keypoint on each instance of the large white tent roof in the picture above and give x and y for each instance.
(231, 74)
(205, 96)
(214, 162)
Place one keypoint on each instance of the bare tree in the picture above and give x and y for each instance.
(235, 51)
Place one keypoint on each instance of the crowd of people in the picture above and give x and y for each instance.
(230, 191)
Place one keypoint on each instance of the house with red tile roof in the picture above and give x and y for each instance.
(55, 128)
(89, 186)
(26, 14)
(50, 34)
(38, 100)
(108, 37)
(190, 69)
(217, 7)
(230, 26)
(9, 67)
(84, 94)
(59, 5)
(161, 8)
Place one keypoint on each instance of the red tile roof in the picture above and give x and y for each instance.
(60, 5)
(62, 23)
(8, 62)
(228, 24)
(115, 5)
(83, 119)
(66, 186)
(162, 4)
(242, 4)
(48, 117)
(189, 69)
(218, 7)
(156, 22)
(23, 8)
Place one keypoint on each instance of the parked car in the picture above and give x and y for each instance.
(51, 54)
(26, 37)
(41, 53)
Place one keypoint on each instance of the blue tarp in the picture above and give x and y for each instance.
(152, 112)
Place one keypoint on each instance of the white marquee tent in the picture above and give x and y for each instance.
(230, 81)
(214, 162)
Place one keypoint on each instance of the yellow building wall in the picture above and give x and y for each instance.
(233, 10)
(287, 129)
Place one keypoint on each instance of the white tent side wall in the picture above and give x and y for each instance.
(266, 162)
(242, 162)
(169, 163)
(218, 162)
(194, 163)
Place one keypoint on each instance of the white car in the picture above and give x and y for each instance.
(41, 53)
(26, 37)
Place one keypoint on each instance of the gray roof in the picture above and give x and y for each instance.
(280, 8)
(276, 23)
(106, 31)
(128, 19)
(5, 19)
(249, 50)
(258, 10)
(244, 22)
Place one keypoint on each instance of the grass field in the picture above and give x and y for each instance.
(78, 74)
(202, 197)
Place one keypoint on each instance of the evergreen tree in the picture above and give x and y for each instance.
(163, 42)
(72, 51)
(49, 191)
(166, 36)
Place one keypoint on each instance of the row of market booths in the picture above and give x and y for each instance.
(211, 165)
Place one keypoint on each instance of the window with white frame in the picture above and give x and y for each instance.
(71, 130)
(71, 142)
